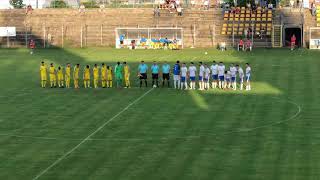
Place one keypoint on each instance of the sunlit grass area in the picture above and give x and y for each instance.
(268, 133)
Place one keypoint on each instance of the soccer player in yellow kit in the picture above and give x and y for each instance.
(109, 77)
(43, 74)
(95, 76)
(76, 76)
(60, 77)
(68, 75)
(126, 71)
(103, 75)
(86, 77)
(52, 75)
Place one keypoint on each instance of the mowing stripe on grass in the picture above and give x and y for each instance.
(90, 135)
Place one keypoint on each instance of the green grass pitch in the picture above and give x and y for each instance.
(269, 133)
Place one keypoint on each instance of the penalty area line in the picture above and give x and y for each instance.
(90, 135)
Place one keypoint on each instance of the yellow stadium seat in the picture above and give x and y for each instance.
(269, 19)
(258, 19)
(269, 24)
(223, 32)
(229, 25)
(229, 33)
(263, 15)
(264, 19)
(241, 19)
(224, 25)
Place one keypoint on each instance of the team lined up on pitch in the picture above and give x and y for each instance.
(219, 76)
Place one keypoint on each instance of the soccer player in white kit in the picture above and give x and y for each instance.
(233, 71)
(221, 69)
(184, 72)
(214, 72)
(206, 78)
(241, 76)
(192, 74)
(248, 76)
(201, 74)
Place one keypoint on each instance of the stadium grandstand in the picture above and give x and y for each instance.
(202, 23)
(159, 89)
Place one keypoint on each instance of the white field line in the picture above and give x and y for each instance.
(89, 136)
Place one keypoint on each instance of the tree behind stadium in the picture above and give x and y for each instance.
(17, 4)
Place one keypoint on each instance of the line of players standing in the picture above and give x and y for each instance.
(217, 73)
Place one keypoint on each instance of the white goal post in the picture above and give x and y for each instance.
(314, 41)
(149, 38)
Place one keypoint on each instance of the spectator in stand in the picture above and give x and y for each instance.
(82, 8)
(248, 45)
(29, 9)
(162, 4)
(206, 5)
(179, 10)
(240, 45)
(249, 5)
(249, 32)
(156, 12)
(270, 6)
(237, 10)
(245, 33)
(172, 7)
(177, 3)
(293, 42)
(292, 3)
(101, 7)
(193, 3)
(262, 32)
(254, 7)
(313, 9)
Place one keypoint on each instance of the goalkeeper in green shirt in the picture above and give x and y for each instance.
(119, 74)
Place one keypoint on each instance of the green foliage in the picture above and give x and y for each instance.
(90, 4)
(17, 4)
(58, 4)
